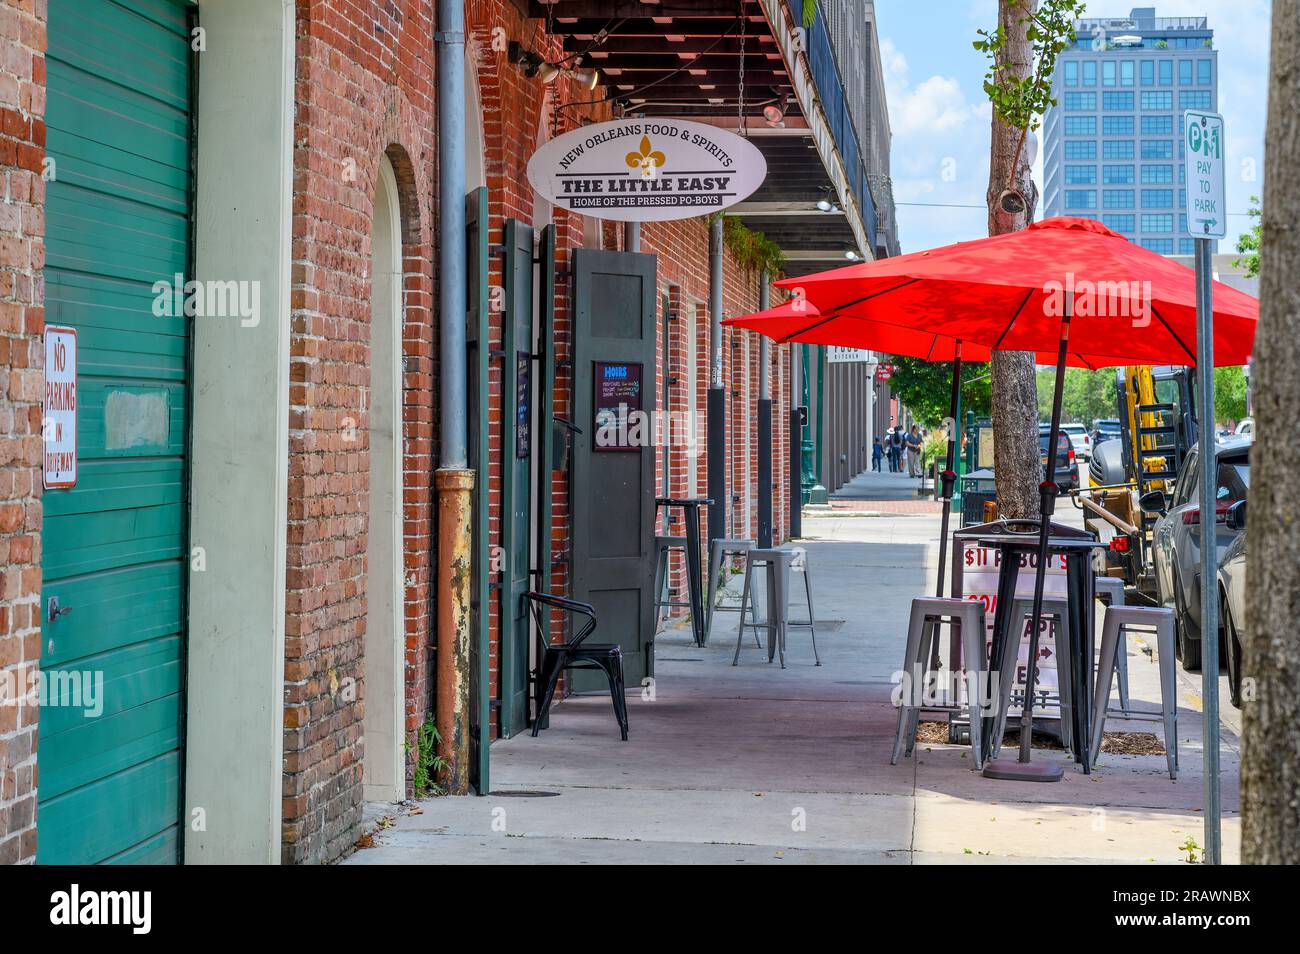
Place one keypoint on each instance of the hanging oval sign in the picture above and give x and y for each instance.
(646, 170)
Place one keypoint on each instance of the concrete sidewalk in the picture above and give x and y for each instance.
(759, 765)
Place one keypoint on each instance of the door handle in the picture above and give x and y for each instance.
(54, 611)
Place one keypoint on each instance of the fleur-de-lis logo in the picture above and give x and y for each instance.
(647, 161)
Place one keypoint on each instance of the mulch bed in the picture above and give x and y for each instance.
(1113, 743)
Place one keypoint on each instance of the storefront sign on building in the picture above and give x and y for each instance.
(837, 355)
(59, 420)
(647, 170)
(884, 372)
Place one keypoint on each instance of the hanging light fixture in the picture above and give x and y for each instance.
(774, 112)
(534, 66)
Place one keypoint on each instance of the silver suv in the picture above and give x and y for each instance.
(1176, 537)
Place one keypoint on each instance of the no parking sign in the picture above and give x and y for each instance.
(59, 420)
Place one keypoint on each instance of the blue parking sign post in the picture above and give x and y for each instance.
(1203, 139)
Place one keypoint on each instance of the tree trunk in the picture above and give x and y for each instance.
(1270, 764)
(1017, 463)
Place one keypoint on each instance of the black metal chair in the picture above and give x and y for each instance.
(575, 654)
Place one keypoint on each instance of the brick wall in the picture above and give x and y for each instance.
(22, 322)
(364, 88)
(514, 108)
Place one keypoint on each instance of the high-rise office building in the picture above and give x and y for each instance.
(1113, 143)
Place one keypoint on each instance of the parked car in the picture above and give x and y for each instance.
(1067, 470)
(1105, 430)
(1232, 599)
(1246, 428)
(1176, 536)
(1078, 435)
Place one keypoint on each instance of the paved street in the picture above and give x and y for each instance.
(755, 764)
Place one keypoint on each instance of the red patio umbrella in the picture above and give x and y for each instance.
(801, 322)
(1066, 284)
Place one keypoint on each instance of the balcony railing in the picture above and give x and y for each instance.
(832, 34)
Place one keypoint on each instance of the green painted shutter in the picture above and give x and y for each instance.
(114, 547)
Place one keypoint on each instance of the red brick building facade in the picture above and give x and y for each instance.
(22, 322)
(364, 91)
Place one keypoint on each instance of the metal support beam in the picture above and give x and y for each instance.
(717, 408)
(764, 423)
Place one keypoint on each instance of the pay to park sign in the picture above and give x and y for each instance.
(646, 170)
(1203, 139)
(59, 417)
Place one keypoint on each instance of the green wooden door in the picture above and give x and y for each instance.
(114, 547)
(517, 439)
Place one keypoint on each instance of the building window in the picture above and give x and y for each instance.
(1204, 72)
(1157, 99)
(1080, 175)
(1089, 72)
(1157, 174)
(1108, 73)
(1182, 198)
(1071, 73)
(1182, 174)
(1117, 125)
(1117, 199)
(1157, 198)
(1184, 72)
(1157, 148)
(1186, 246)
(1158, 222)
(1116, 101)
(1182, 222)
(1166, 72)
(1081, 125)
(1080, 101)
(1119, 223)
(1081, 199)
(1117, 149)
(1080, 149)
(1159, 246)
(1157, 125)
(1126, 73)
(1117, 175)
(1194, 99)
(1148, 72)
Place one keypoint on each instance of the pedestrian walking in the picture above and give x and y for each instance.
(877, 451)
(895, 450)
(914, 452)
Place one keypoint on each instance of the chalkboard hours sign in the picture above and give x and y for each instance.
(647, 170)
(617, 416)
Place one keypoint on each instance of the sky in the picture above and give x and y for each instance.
(940, 116)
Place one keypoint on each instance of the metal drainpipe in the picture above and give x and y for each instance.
(716, 421)
(631, 236)
(764, 423)
(454, 481)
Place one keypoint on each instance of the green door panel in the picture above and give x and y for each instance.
(115, 814)
(115, 547)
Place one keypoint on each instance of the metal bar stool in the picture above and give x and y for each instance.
(1022, 608)
(966, 617)
(775, 565)
(1110, 590)
(663, 545)
(690, 508)
(1119, 618)
(720, 549)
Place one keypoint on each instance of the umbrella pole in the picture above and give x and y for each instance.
(948, 478)
(1022, 770)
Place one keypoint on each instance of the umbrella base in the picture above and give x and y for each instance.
(1013, 770)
